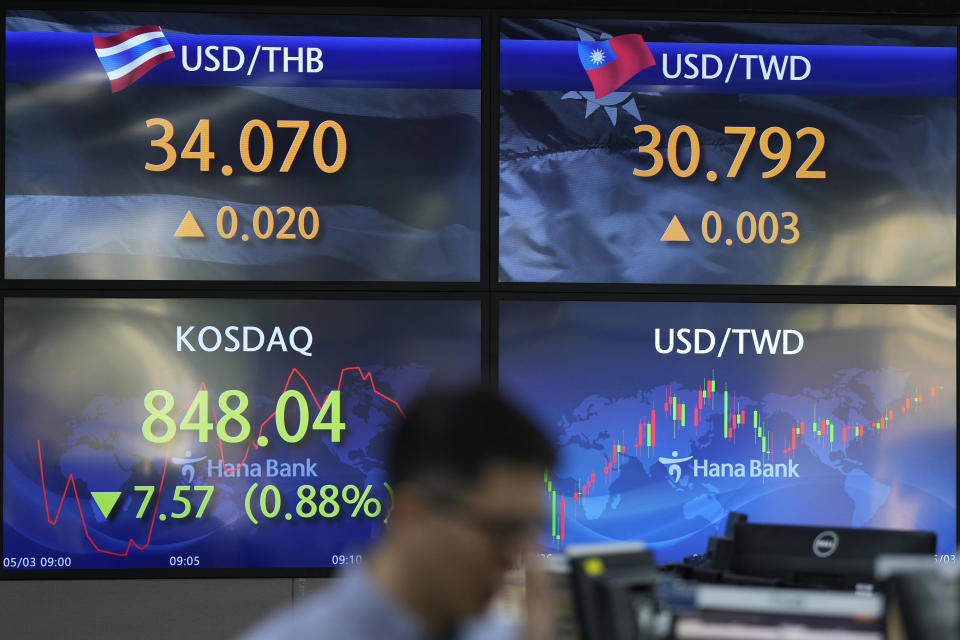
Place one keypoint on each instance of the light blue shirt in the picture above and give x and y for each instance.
(354, 608)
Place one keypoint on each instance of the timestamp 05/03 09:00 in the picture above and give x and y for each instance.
(37, 562)
(65, 562)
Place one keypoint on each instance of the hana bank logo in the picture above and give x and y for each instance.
(187, 471)
(673, 465)
(755, 468)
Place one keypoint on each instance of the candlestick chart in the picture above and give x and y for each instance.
(856, 429)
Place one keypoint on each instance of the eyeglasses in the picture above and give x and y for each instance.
(502, 530)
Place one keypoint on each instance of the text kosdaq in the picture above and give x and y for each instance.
(247, 338)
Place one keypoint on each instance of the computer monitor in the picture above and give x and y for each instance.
(612, 586)
(764, 613)
(821, 557)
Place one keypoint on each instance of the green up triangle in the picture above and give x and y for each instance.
(106, 500)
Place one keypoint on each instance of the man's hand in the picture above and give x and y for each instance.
(540, 618)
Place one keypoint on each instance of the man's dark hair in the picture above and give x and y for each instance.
(449, 438)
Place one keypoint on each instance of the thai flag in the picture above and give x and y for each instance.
(610, 63)
(127, 56)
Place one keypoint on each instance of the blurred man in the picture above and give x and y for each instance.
(467, 471)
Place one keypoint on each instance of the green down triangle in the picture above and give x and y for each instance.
(106, 500)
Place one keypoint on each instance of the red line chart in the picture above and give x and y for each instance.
(71, 482)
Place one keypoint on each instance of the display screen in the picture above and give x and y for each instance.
(636, 151)
(242, 146)
(211, 434)
(671, 415)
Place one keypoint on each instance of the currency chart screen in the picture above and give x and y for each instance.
(671, 415)
(162, 146)
(211, 434)
(637, 151)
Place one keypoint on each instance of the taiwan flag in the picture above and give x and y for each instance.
(610, 63)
